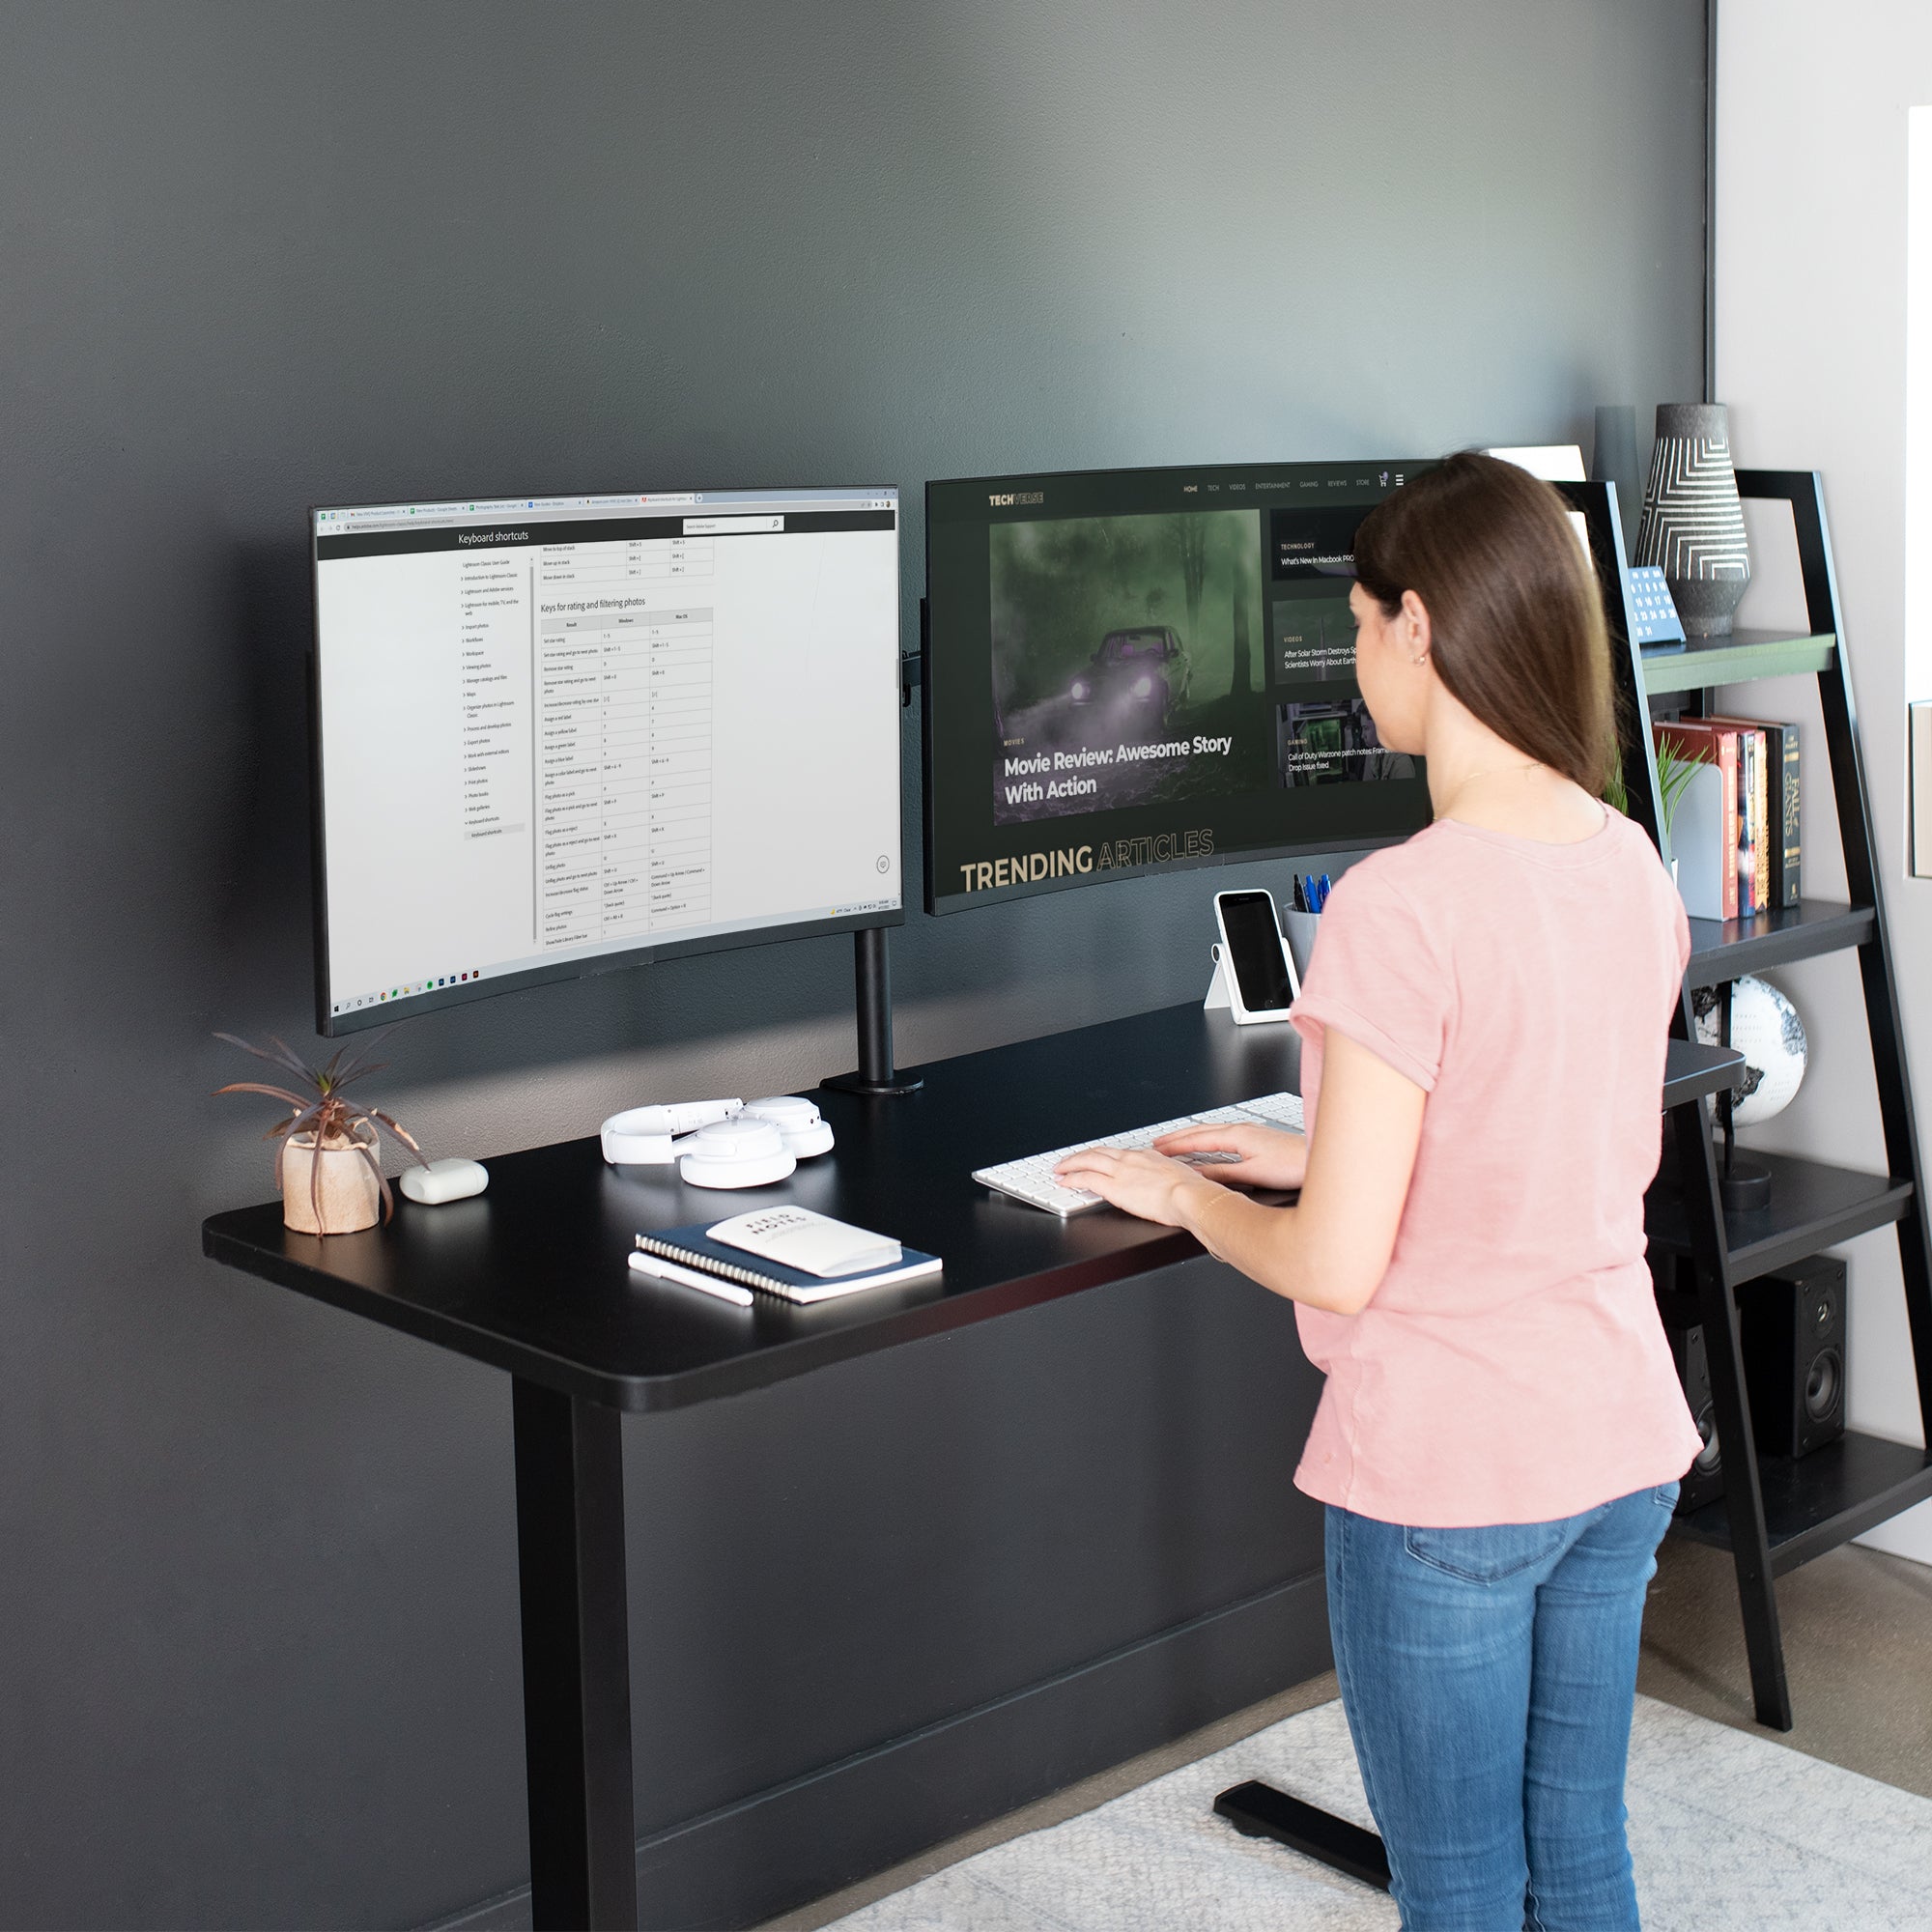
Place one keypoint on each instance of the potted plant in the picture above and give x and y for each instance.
(1675, 769)
(327, 1151)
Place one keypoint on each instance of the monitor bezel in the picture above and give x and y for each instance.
(944, 907)
(332, 1026)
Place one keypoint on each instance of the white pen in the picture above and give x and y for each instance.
(664, 1270)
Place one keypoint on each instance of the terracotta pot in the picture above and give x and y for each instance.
(349, 1197)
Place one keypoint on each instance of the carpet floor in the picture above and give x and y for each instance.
(1727, 1831)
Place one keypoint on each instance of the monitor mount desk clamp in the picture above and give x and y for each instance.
(873, 976)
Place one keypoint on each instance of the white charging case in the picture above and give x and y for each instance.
(443, 1180)
(741, 1152)
(800, 1124)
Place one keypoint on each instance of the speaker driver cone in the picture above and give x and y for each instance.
(1822, 1384)
(1710, 1456)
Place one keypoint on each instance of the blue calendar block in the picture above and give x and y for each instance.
(1654, 616)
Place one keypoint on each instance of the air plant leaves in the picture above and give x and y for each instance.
(324, 1112)
(283, 1058)
(295, 1100)
(396, 1127)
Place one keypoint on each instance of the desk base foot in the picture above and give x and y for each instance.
(1258, 1810)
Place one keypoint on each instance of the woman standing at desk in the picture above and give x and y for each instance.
(1484, 1026)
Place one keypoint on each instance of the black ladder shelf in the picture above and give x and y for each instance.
(1776, 1514)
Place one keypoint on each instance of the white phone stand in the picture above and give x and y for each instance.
(1217, 994)
(1217, 986)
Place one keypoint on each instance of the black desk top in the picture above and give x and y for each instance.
(532, 1276)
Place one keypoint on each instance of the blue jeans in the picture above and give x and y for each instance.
(1489, 1676)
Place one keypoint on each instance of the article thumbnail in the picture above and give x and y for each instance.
(1126, 662)
(1334, 744)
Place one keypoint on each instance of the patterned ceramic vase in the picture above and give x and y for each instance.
(1692, 523)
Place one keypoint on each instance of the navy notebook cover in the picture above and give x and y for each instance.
(693, 1247)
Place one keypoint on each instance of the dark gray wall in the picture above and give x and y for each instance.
(257, 1636)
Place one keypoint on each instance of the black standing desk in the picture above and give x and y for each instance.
(531, 1277)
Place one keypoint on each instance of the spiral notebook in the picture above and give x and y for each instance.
(694, 1248)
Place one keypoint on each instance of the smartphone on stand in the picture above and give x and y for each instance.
(1255, 962)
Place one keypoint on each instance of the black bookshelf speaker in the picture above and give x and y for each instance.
(1703, 1482)
(1794, 1343)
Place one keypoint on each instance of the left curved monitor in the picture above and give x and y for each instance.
(555, 735)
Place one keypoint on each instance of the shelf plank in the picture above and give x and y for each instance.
(1812, 1206)
(1723, 949)
(1826, 1498)
(1690, 1070)
(1739, 659)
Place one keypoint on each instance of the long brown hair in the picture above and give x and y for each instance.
(1516, 618)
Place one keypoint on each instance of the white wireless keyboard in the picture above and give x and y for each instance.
(1031, 1178)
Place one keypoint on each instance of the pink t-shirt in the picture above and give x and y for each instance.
(1511, 1366)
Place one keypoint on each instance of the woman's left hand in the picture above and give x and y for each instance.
(1138, 1183)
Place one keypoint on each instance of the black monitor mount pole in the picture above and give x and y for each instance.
(1743, 1182)
(874, 977)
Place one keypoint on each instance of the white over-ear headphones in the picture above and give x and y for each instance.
(719, 1143)
(743, 1151)
(800, 1124)
(642, 1137)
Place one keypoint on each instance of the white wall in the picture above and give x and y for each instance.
(1810, 267)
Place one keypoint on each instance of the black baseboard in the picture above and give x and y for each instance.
(745, 1863)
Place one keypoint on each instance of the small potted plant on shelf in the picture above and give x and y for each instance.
(1675, 770)
(327, 1151)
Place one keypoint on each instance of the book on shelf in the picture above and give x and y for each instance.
(1704, 828)
(1734, 832)
(1754, 877)
(1779, 864)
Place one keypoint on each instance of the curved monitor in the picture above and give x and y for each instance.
(559, 734)
(1141, 671)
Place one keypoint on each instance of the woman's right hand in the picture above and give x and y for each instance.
(1269, 1158)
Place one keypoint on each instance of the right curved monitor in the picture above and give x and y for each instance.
(1136, 670)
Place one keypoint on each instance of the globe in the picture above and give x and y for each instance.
(1765, 1028)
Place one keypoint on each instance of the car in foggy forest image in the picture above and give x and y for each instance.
(1142, 674)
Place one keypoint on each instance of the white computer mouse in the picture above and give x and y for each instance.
(443, 1180)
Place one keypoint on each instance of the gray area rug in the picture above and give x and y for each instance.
(1727, 1829)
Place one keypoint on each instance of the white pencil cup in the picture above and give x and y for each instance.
(1300, 928)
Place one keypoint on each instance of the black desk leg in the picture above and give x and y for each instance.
(576, 1662)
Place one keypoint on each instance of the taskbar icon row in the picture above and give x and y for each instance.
(405, 992)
